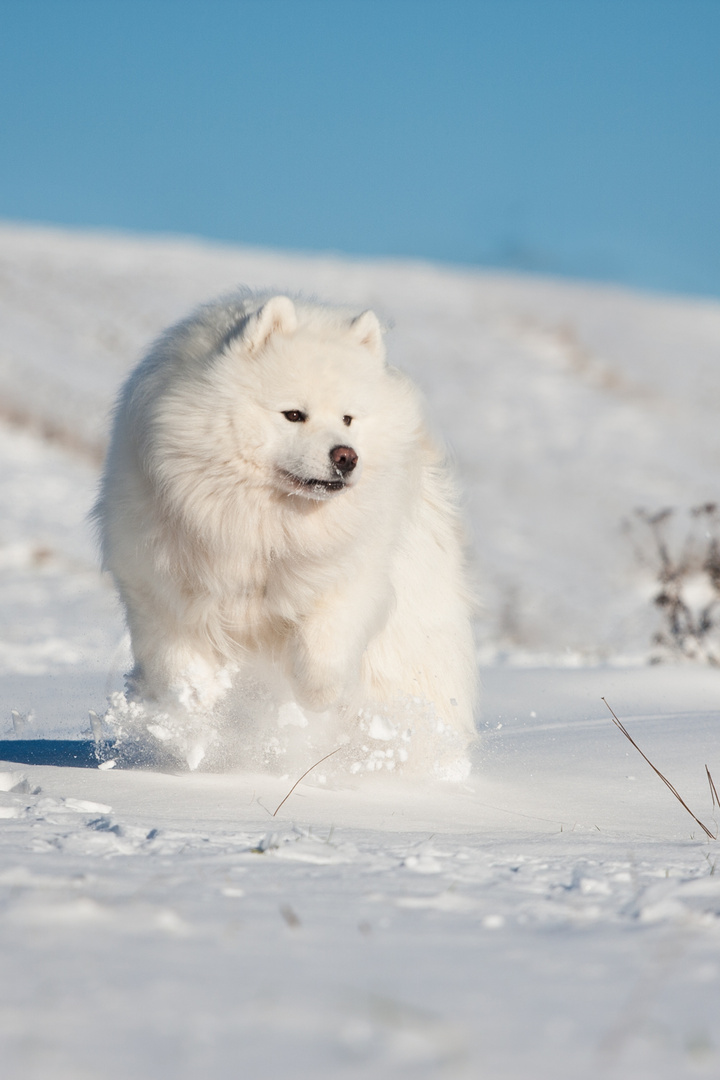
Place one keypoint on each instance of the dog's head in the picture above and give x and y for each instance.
(312, 385)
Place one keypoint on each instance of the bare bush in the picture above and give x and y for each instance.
(683, 553)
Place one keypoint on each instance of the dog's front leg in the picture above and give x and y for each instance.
(327, 649)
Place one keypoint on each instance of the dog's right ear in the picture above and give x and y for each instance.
(276, 316)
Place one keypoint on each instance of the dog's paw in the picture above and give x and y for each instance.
(319, 684)
(318, 694)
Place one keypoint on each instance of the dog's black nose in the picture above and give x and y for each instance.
(343, 458)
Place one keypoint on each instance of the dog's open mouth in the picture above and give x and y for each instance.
(312, 486)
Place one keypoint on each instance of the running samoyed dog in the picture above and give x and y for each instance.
(272, 500)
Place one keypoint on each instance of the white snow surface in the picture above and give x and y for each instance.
(557, 914)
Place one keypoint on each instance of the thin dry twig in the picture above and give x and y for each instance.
(713, 789)
(664, 779)
(305, 774)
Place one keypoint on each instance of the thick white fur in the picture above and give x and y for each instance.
(221, 549)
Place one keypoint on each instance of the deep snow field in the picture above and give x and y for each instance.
(557, 914)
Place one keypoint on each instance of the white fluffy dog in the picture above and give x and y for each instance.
(271, 491)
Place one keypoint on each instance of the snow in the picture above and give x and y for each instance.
(558, 913)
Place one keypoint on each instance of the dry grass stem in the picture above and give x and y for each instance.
(628, 736)
(713, 789)
(335, 751)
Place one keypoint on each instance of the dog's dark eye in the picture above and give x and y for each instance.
(347, 420)
(295, 416)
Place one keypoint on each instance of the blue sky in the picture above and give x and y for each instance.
(573, 137)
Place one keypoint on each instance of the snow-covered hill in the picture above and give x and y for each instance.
(557, 916)
(568, 406)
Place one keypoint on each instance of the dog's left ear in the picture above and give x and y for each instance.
(276, 316)
(366, 330)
